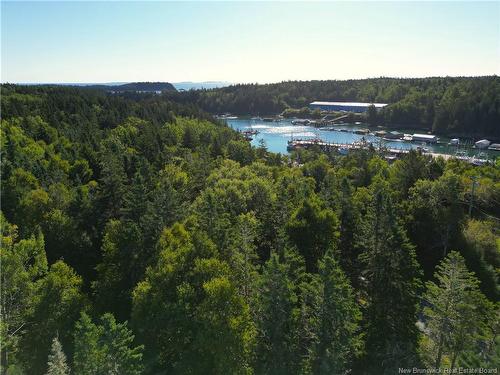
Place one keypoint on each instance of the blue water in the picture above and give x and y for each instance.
(277, 134)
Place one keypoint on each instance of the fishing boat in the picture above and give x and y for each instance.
(407, 138)
(300, 122)
(362, 131)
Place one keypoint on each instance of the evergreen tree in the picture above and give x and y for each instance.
(243, 257)
(392, 286)
(105, 349)
(348, 220)
(456, 311)
(88, 357)
(277, 301)
(57, 360)
(338, 336)
(120, 357)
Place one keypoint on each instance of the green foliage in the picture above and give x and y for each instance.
(106, 348)
(188, 310)
(227, 258)
(23, 263)
(392, 284)
(57, 364)
(338, 340)
(456, 312)
(483, 255)
(276, 320)
(436, 215)
(57, 303)
(314, 230)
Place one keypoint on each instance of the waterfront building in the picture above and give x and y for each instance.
(345, 106)
(428, 138)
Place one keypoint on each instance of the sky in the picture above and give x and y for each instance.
(125, 41)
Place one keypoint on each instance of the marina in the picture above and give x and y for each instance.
(279, 133)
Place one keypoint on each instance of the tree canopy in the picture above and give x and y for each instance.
(140, 235)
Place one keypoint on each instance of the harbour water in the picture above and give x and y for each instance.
(276, 135)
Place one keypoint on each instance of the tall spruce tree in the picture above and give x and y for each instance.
(275, 323)
(106, 348)
(392, 284)
(456, 312)
(57, 364)
(338, 336)
(348, 220)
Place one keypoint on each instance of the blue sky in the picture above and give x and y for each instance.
(246, 42)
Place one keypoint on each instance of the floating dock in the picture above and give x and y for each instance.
(343, 148)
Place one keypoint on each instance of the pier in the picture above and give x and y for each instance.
(344, 148)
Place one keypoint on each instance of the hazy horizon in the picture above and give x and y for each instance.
(82, 42)
(110, 83)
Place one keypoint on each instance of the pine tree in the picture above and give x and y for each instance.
(348, 219)
(106, 348)
(392, 286)
(275, 325)
(57, 360)
(121, 357)
(88, 356)
(338, 339)
(457, 313)
(243, 257)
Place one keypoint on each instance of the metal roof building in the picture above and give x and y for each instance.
(425, 138)
(345, 106)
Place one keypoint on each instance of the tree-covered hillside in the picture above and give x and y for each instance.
(464, 105)
(139, 236)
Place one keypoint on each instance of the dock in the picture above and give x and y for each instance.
(344, 148)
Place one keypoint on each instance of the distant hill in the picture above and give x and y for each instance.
(200, 85)
(116, 86)
(136, 86)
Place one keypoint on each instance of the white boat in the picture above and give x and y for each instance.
(300, 122)
(494, 147)
(454, 142)
(482, 144)
(407, 138)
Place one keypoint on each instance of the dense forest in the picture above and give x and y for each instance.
(135, 86)
(465, 106)
(141, 236)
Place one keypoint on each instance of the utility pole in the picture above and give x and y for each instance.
(474, 182)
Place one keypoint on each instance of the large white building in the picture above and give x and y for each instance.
(345, 106)
(424, 138)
